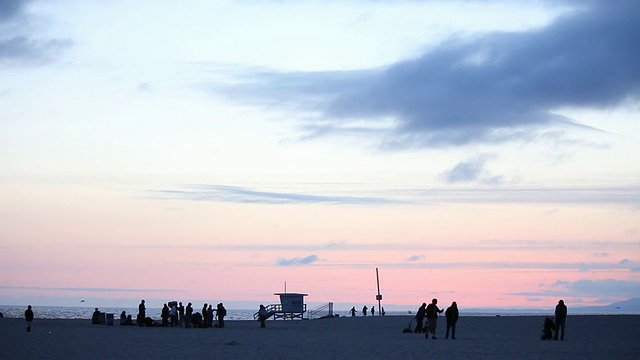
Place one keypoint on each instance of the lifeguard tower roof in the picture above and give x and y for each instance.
(291, 305)
(292, 294)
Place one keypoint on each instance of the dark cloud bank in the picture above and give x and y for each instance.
(496, 87)
(20, 48)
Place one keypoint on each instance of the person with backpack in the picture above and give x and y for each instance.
(432, 318)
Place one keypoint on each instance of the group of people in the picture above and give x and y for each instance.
(174, 314)
(177, 315)
(364, 311)
(430, 313)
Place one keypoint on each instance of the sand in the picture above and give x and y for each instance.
(506, 337)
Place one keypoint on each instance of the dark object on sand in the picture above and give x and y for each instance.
(408, 329)
(547, 329)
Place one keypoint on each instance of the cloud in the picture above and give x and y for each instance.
(10, 8)
(608, 287)
(492, 88)
(244, 195)
(21, 48)
(624, 195)
(85, 289)
(470, 171)
(414, 258)
(297, 261)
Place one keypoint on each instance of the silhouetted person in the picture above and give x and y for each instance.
(205, 314)
(123, 318)
(181, 314)
(262, 315)
(95, 318)
(373, 310)
(142, 313)
(165, 315)
(222, 312)
(547, 329)
(353, 311)
(382, 311)
(364, 310)
(188, 314)
(28, 316)
(432, 318)
(210, 316)
(561, 316)
(451, 314)
(173, 314)
(420, 317)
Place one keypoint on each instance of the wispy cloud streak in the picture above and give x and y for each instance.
(84, 289)
(236, 194)
(626, 195)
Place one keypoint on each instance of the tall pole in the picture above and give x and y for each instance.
(379, 297)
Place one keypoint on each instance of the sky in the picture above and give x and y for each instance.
(484, 152)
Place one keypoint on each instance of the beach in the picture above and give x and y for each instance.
(379, 337)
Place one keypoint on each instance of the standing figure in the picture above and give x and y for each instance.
(141, 313)
(165, 315)
(432, 318)
(173, 314)
(561, 316)
(95, 318)
(364, 310)
(451, 315)
(262, 315)
(420, 317)
(222, 312)
(373, 310)
(188, 315)
(28, 316)
(210, 316)
(204, 315)
(353, 311)
(382, 311)
(181, 314)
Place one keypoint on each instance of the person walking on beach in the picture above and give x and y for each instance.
(141, 313)
(353, 311)
(364, 310)
(451, 315)
(432, 318)
(188, 314)
(420, 317)
(262, 315)
(28, 316)
(373, 310)
(382, 311)
(561, 316)
(221, 312)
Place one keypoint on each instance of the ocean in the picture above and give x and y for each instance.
(68, 312)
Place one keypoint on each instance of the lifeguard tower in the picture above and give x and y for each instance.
(291, 306)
